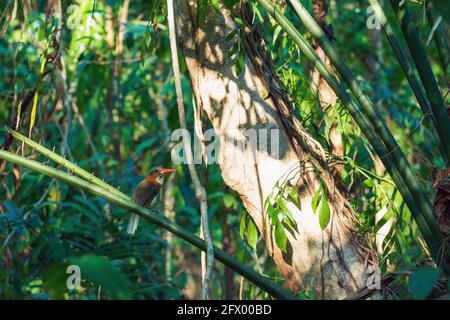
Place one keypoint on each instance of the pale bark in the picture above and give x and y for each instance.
(332, 261)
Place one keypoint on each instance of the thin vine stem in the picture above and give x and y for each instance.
(200, 192)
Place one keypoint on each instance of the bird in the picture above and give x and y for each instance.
(145, 192)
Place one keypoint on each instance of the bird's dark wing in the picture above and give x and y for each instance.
(144, 194)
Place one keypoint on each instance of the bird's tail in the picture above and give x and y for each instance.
(132, 224)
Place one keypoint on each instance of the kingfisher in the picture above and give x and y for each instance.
(145, 192)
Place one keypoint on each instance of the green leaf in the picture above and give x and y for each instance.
(294, 198)
(54, 281)
(239, 21)
(215, 4)
(433, 30)
(103, 273)
(315, 200)
(147, 37)
(142, 55)
(232, 50)
(276, 33)
(422, 281)
(203, 8)
(280, 236)
(323, 184)
(145, 145)
(368, 183)
(229, 201)
(239, 65)
(231, 35)
(324, 214)
(285, 213)
(34, 107)
(443, 8)
(215, 195)
(273, 212)
(252, 234)
(242, 225)
(230, 3)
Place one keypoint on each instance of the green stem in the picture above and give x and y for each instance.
(440, 40)
(407, 69)
(417, 50)
(153, 217)
(64, 162)
(200, 192)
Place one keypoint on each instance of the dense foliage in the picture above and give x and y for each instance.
(99, 83)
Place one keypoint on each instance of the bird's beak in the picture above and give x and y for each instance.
(166, 171)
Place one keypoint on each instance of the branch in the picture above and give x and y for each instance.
(66, 163)
(200, 193)
(152, 216)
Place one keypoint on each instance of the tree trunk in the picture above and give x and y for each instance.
(330, 261)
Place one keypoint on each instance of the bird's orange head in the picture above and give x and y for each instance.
(157, 174)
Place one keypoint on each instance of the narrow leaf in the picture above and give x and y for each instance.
(252, 234)
(280, 236)
(422, 281)
(324, 214)
(315, 200)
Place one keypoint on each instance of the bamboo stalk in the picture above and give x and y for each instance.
(152, 216)
(66, 163)
(368, 109)
(433, 238)
(440, 40)
(417, 50)
(407, 70)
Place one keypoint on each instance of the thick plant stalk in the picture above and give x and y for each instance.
(153, 217)
(417, 50)
(369, 110)
(66, 163)
(200, 192)
(407, 68)
(433, 239)
(440, 40)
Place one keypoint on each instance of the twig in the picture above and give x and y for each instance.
(151, 216)
(200, 193)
